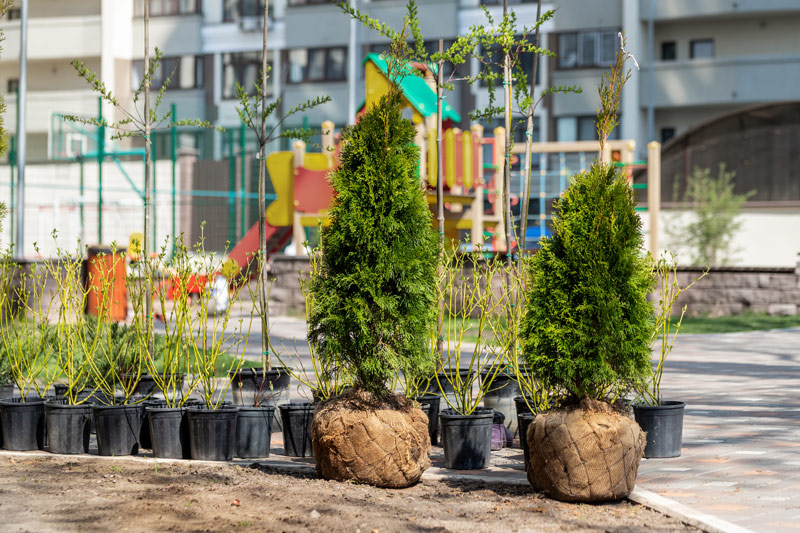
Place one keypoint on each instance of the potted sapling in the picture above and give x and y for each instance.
(467, 371)
(25, 348)
(661, 419)
(74, 344)
(216, 347)
(170, 365)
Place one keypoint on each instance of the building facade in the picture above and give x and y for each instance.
(697, 60)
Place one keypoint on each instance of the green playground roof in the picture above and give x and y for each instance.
(417, 92)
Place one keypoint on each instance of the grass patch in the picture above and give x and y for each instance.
(743, 322)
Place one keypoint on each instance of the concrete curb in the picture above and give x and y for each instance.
(640, 496)
(705, 521)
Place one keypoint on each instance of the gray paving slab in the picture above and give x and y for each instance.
(741, 443)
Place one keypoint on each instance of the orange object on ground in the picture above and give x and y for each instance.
(105, 279)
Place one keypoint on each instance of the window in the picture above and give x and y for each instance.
(165, 8)
(12, 86)
(587, 49)
(570, 129)
(317, 64)
(669, 51)
(667, 134)
(14, 13)
(235, 10)
(184, 72)
(243, 68)
(500, 2)
(701, 48)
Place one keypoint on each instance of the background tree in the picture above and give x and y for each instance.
(254, 112)
(138, 123)
(375, 295)
(708, 236)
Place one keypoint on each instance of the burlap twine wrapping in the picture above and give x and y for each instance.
(384, 443)
(585, 454)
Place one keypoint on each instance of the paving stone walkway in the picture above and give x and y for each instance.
(741, 442)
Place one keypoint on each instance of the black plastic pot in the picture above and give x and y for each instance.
(118, 428)
(67, 426)
(664, 426)
(254, 431)
(524, 420)
(169, 432)
(432, 402)
(297, 419)
(22, 424)
(521, 405)
(212, 432)
(466, 439)
(145, 440)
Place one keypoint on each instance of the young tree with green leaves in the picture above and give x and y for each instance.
(708, 236)
(254, 112)
(136, 123)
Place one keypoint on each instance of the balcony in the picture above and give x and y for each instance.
(55, 38)
(41, 105)
(701, 82)
(692, 9)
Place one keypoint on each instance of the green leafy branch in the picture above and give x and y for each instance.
(133, 122)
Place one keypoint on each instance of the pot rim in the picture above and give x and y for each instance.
(480, 412)
(666, 405)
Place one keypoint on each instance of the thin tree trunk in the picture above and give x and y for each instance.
(529, 147)
(147, 208)
(440, 183)
(263, 294)
(507, 218)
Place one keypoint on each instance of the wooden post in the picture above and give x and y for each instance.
(328, 144)
(299, 151)
(498, 155)
(654, 192)
(476, 235)
(626, 157)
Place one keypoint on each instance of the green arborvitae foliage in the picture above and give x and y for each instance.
(375, 297)
(588, 324)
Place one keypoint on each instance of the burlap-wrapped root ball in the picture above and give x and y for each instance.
(589, 453)
(381, 442)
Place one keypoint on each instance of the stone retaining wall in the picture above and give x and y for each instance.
(725, 291)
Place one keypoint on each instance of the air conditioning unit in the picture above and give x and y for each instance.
(250, 24)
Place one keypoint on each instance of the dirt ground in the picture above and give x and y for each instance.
(86, 494)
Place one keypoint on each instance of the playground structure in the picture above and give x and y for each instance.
(473, 183)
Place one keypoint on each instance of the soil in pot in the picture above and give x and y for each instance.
(432, 402)
(381, 441)
(22, 424)
(467, 439)
(169, 432)
(118, 428)
(212, 432)
(297, 419)
(584, 453)
(664, 427)
(67, 426)
(254, 431)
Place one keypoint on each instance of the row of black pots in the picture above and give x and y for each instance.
(191, 432)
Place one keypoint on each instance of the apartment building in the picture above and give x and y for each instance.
(708, 58)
